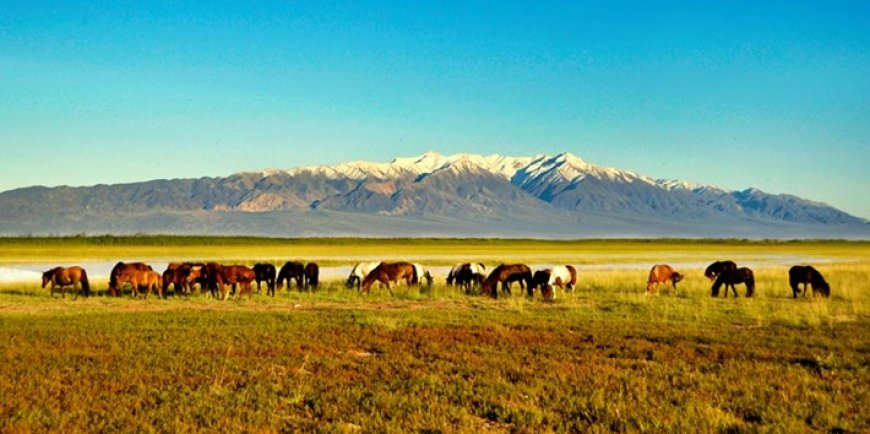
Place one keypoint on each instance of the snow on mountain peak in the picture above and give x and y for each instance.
(536, 169)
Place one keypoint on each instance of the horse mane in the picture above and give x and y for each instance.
(113, 276)
(50, 273)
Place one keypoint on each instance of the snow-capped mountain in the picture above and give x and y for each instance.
(430, 194)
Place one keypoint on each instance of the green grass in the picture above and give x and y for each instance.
(603, 358)
(339, 251)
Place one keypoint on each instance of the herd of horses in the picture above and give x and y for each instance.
(219, 281)
(729, 274)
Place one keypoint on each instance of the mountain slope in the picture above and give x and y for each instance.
(431, 194)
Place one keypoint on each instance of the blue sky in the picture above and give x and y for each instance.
(774, 95)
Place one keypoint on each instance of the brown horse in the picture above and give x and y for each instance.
(291, 270)
(506, 274)
(62, 277)
(121, 274)
(196, 274)
(662, 273)
(177, 274)
(390, 272)
(312, 275)
(145, 281)
(175, 277)
(235, 274)
(209, 275)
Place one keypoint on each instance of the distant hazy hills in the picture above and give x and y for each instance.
(558, 196)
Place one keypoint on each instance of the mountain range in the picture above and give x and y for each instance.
(547, 196)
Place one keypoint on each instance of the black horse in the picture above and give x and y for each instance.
(468, 276)
(733, 277)
(807, 275)
(265, 273)
(290, 271)
(718, 267)
(312, 275)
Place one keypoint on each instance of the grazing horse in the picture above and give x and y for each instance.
(466, 275)
(716, 268)
(423, 273)
(193, 273)
(146, 281)
(390, 272)
(733, 277)
(662, 273)
(807, 275)
(62, 277)
(564, 276)
(505, 274)
(121, 274)
(177, 274)
(209, 276)
(312, 275)
(290, 271)
(359, 273)
(232, 275)
(175, 277)
(265, 273)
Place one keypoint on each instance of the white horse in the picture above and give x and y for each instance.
(423, 274)
(359, 273)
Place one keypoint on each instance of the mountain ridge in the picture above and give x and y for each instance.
(471, 191)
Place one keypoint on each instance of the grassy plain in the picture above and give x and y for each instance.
(603, 358)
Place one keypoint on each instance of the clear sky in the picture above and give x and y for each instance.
(768, 94)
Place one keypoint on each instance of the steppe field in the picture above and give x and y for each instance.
(605, 357)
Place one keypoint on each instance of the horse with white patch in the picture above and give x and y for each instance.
(563, 276)
(422, 274)
(359, 273)
(466, 275)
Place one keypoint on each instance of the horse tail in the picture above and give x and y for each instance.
(750, 283)
(450, 277)
(86, 286)
(415, 278)
(573, 274)
(716, 285)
